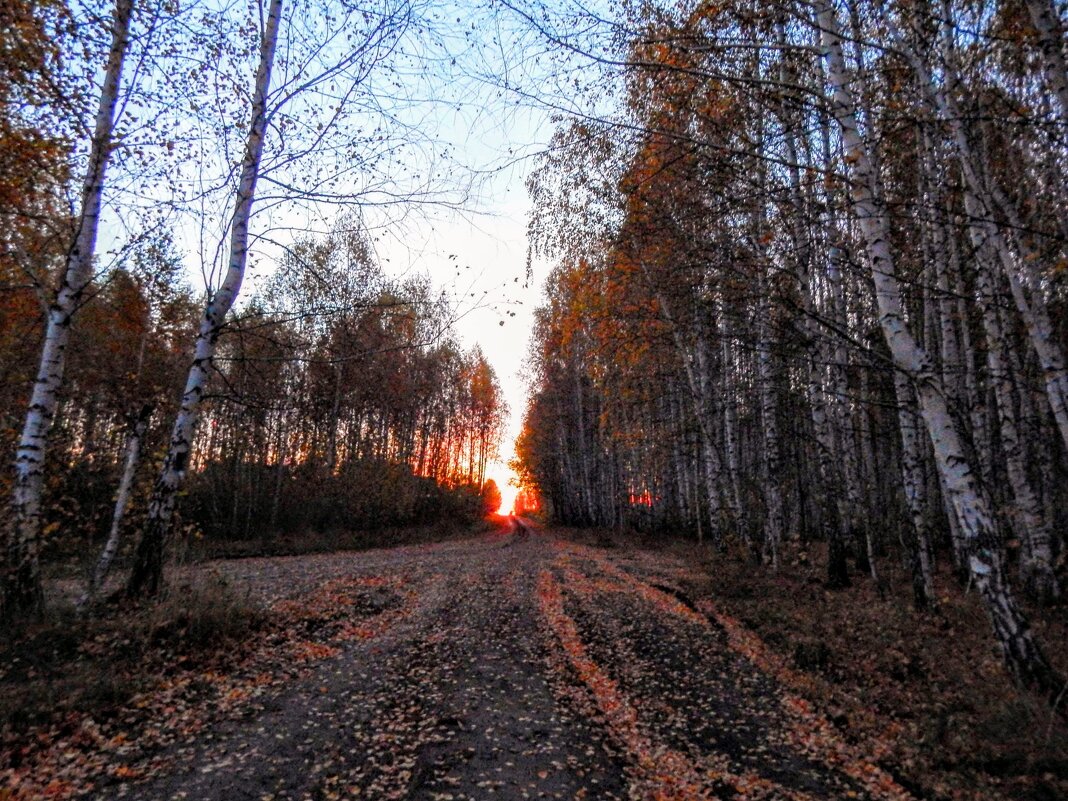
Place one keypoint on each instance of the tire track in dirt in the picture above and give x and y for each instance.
(451, 703)
(701, 691)
(516, 667)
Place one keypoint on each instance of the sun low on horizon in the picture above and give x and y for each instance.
(503, 477)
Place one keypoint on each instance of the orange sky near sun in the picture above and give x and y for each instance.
(501, 474)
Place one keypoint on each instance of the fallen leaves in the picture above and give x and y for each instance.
(493, 668)
(71, 758)
(802, 729)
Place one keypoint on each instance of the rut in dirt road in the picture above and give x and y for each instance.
(521, 667)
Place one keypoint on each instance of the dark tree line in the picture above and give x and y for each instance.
(339, 402)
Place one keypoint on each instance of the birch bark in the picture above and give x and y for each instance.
(134, 444)
(730, 426)
(22, 578)
(1047, 24)
(988, 198)
(1021, 652)
(923, 592)
(770, 422)
(147, 574)
(1028, 519)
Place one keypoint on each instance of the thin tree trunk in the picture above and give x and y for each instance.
(915, 486)
(21, 576)
(730, 428)
(134, 443)
(279, 472)
(1047, 24)
(1028, 518)
(775, 523)
(147, 574)
(1021, 651)
(335, 411)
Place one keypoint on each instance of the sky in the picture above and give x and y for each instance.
(497, 250)
(481, 257)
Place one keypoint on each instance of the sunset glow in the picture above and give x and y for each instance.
(503, 476)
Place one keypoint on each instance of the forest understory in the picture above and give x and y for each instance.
(651, 666)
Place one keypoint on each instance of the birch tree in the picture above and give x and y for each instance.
(295, 147)
(148, 566)
(22, 580)
(970, 504)
(884, 280)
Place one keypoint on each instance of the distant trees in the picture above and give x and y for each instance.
(491, 497)
(824, 289)
(340, 403)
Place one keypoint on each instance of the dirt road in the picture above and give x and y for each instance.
(517, 666)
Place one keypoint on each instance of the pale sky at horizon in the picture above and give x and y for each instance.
(489, 250)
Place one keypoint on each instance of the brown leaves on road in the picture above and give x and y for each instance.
(692, 772)
(79, 756)
(508, 667)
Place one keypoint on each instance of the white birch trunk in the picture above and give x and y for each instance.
(914, 485)
(730, 427)
(22, 579)
(134, 444)
(1022, 654)
(958, 374)
(147, 572)
(978, 412)
(1028, 519)
(713, 466)
(988, 197)
(1047, 24)
(770, 423)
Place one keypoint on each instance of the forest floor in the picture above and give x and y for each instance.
(514, 665)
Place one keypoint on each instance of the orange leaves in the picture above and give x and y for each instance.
(70, 758)
(351, 632)
(309, 651)
(664, 774)
(57, 789)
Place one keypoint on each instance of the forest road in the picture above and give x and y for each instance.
(521, 666)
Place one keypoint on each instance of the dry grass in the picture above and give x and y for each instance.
(333, 541)
(64, 662)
